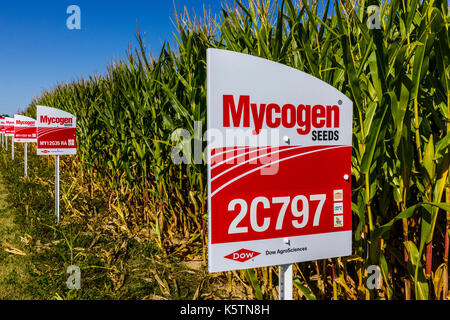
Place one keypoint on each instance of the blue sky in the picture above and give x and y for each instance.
(37, 50)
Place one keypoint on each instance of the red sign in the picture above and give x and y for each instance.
(9, 127)
(25, 129)
(56, 132)
(2, 125)
(280, 147)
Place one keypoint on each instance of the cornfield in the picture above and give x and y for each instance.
(396, 74)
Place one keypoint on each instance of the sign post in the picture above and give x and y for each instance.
(57, 188)
(285, 281)
(25, 131)
(2, 131)
(279, 163)
(9, 132)
(25, 160)
(56, 135)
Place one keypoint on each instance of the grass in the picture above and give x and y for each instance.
(14, 275)
(114, 263)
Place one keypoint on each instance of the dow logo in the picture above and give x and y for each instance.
(242, 255)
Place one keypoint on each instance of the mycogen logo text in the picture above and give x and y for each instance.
(25, 123)
(55, 120)
(306, 118)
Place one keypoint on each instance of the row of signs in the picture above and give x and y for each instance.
(271, 201)
(54, 131)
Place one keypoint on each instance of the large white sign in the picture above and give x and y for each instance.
(279, 164)
(56, 132)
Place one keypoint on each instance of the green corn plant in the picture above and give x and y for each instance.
(398, 78)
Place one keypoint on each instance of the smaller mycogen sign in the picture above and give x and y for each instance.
(2, 125)
(25, 129)
(9, 127)
(56, 132)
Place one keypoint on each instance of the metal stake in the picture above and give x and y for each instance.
(285, 281)
(57, 188)
(25, 160)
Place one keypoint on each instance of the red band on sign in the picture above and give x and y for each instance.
(25, 132)
(252, 206)
(57, 138)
